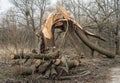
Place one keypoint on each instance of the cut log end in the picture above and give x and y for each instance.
(76, 62)
(57, 62)
(12, 55)
(37, 62)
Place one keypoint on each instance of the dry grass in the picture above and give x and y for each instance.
(98, 68)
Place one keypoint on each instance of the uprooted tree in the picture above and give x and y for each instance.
(50, 62)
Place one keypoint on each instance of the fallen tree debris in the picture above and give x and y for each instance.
(35, 56)
(49, 68)
(54, 64)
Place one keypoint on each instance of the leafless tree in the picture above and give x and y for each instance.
(99, 16)
(117, 18)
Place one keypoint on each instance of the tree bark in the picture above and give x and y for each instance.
(43, 67)
(35, 56)
(23, 70)
(116, 4)
(86, 41)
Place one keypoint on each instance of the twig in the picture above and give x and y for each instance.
(74, 76)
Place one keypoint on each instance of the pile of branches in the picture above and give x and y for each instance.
(51, 65)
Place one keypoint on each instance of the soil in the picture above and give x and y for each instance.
(91, 70)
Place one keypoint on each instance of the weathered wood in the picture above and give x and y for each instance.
(73, 63)
(82, 34)
(57, 61)
(91, 34)
(35, 56)
(23, 62)
(47, 73)
(53, 72)
(43, 67)
(23, 70)
(86, 41)
(66, 64)
(38, 62)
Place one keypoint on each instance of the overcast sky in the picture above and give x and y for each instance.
(4, 5)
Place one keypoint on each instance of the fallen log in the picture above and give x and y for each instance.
(23, 70)
(57, 62)
(66, 64)
(35, 56)
(52, 68)
(39, 62)
(70, 64)
(53, 72)
(43, 67)
(73, 63)
(23, 61)
(47, 73)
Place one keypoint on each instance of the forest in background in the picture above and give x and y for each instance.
(19, 23)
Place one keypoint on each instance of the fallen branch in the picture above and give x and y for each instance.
(68, 77)
(74, 76)
(91, 34)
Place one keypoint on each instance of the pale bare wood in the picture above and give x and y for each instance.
(57, 61)
(38, 62)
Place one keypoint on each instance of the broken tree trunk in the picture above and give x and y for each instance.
(35, 56)
(81, 34)
(86, 41)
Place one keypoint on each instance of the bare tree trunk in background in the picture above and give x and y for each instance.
(116, 4)
(41, 4)
(13, 28)
(32, 16)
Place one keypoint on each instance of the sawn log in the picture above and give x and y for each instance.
(35, 56)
